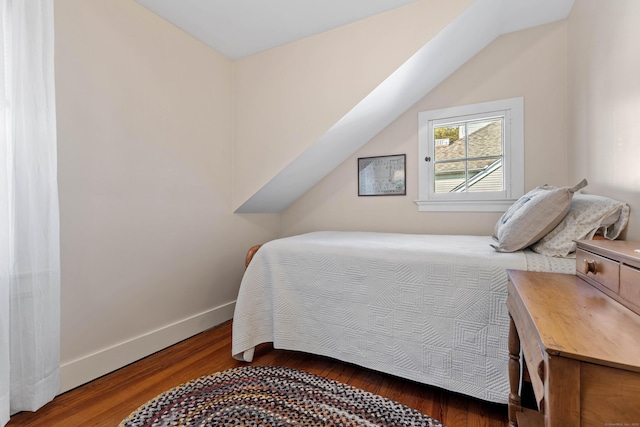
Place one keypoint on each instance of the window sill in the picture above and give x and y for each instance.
(463, 205)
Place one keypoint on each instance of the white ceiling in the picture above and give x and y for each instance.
(238, 28)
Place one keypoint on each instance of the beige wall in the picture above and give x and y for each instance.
(287, 97)
(604, 92)
(151, 251)
(529, 63)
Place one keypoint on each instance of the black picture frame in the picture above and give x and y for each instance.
(382, 175)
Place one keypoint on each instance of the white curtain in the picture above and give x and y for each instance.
(29, 219)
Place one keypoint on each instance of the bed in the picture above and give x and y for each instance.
(428, 308)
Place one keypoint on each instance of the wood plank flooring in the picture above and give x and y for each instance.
(109, 399)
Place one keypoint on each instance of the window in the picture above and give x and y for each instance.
(471, 158)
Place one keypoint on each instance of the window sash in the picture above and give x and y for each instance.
(512, 112)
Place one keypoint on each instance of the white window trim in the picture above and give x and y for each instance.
(513, 156)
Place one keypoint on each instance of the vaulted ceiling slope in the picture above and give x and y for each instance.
(481, 23)
(463, 38)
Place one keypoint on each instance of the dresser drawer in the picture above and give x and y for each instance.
(599, 269)
(630, 285)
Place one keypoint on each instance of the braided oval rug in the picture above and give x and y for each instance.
(272, 396)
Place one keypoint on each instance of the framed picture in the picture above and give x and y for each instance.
(382, 176)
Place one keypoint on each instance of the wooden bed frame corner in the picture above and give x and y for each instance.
(250, 253)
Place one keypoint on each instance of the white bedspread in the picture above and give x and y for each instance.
(428, 308)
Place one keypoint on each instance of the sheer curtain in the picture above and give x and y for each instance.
(29, 224)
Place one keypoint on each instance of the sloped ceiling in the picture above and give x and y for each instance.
(475, 28)
(238, 28)
(463, 38)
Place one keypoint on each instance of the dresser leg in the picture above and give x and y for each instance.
(515, 403)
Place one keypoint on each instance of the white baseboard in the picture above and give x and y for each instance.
(88, 368)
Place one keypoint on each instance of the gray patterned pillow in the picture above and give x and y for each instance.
(587, 215)
(533, 216)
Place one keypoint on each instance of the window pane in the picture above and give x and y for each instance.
(448, 144)
(485, 138)
(489, 179)
(449, 176)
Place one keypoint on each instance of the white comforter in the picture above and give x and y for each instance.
(428, 308)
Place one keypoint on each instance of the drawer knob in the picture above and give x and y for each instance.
(590, 266)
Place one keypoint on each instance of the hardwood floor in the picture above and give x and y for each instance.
(109, 399)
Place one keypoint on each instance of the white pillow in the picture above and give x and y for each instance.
(533, 216)
(587, 215)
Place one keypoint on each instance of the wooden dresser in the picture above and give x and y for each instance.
(580, 340)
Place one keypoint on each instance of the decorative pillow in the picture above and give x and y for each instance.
(533, 216)
(589, 214)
